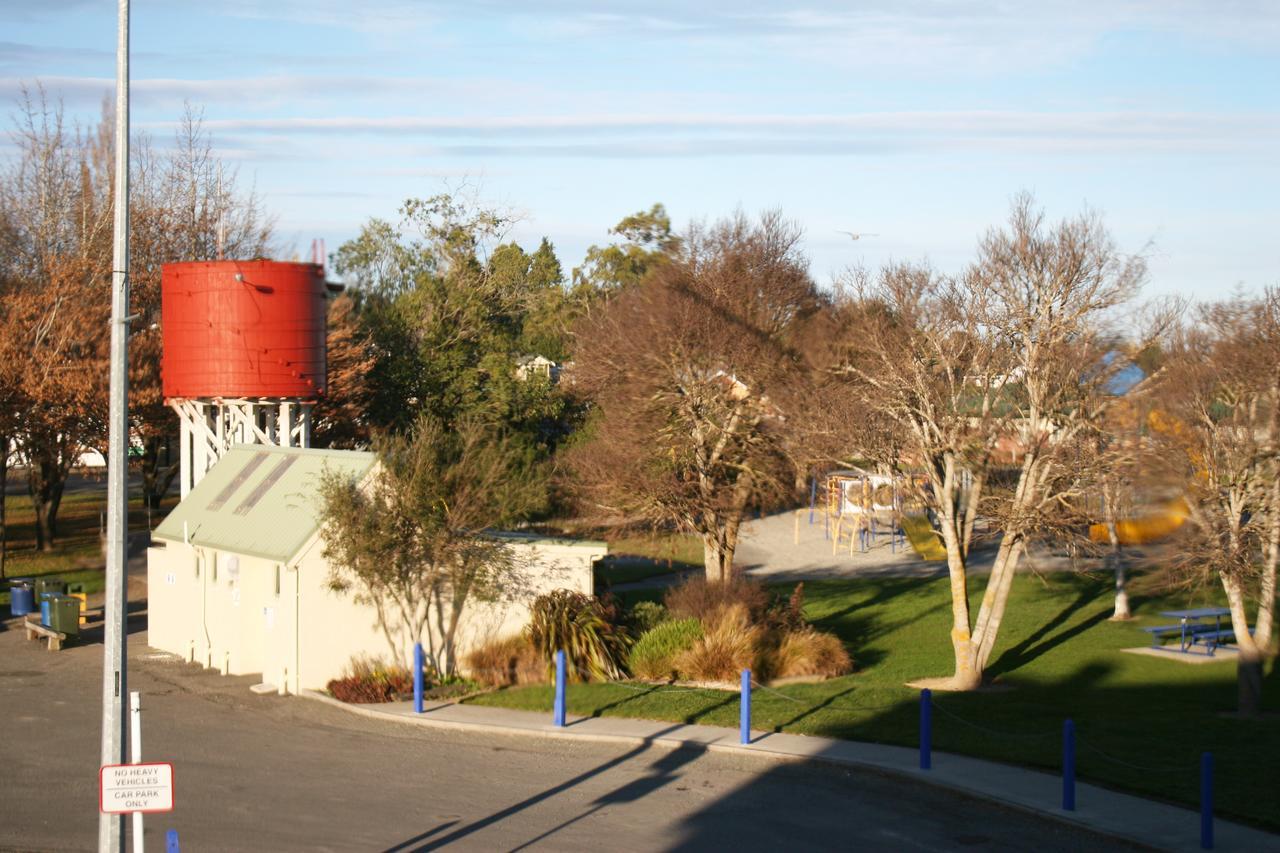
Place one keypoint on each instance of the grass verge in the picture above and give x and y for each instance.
(77, 552)
(1141, 722)
(635, 558)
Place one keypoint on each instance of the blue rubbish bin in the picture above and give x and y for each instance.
(46, 599)
(22, 599)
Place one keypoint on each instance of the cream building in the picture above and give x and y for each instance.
(237, 578)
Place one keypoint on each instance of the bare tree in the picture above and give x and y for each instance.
(1220, 435)
(55, 251)
(692, 372)
(1005, 366)
(342, 414)
(185, 205)
(1118, 481)
(55, 218)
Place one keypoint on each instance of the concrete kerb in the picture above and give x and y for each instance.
(1142, 821)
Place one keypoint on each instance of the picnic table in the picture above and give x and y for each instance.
(1193, 628)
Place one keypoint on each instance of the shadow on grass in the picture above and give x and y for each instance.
(1043, 639)
(858, 624)
(810, 711)
(638, 694)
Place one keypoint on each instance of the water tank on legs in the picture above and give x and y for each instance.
(244, 355)
(243, 329)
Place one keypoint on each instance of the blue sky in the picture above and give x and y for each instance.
(914, 120)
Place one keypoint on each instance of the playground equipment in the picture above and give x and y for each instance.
(1163, 520)
(1147, 528)
(858, 507)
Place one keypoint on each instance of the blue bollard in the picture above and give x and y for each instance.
(1206, 801)
(926, 729)
(744, 711)
(419, 664)
(813, 497)
(171, 842)
(1069, 766)
(558, 712)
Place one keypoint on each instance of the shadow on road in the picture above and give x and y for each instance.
(664, 767)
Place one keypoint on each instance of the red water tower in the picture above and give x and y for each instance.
(244, 355)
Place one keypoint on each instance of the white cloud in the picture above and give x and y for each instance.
(265, 91)
(692, 135)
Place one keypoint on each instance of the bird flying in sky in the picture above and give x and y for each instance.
(858, 235)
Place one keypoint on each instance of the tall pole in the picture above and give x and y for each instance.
(114, 681)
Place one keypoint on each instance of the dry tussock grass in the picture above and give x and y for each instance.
(729, 645)
(506, 662)
(806, 651)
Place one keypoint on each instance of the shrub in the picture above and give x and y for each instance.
(644, 616)
(729, 644)
(787, 614)
(585, 628)
(654, 654)
(367, 681)
(509, 661)
(808, 652)
(697, 599)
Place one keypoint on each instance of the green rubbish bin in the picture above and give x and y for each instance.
(64, 614)
(50, 584)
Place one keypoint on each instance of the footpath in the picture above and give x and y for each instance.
(1146, 822)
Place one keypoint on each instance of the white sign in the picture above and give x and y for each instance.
(124, 788)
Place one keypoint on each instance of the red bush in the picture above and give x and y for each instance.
(371, 687)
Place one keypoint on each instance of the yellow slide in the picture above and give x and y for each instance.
(1147, 528)
(923, 537)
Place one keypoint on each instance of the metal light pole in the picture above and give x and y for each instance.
(114, 681)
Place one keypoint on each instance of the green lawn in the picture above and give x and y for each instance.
(1141, 722)
(635, 558)
(77, 552)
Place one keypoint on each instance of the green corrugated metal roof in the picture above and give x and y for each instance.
(260, 500)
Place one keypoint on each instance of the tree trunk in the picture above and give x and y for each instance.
(1249, 681)
(1116, 560)
(717, 559)
(1249, 659)
(157, 476)
(45, 482)
(4, 497)
(965, 676)
(996, 599)
(1267, 589)
(150, 466)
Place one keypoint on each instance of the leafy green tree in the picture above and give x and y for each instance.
(647, 243)
(411, 541)
(446, 306)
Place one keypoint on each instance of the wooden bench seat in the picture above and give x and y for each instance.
(36, 629)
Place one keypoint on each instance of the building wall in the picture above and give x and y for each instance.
(212, 607)
(256, 616)
(333, 628)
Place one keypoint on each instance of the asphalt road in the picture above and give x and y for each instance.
(283, 773)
